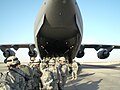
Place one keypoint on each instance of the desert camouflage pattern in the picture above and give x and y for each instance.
(74, 70)
(47, 79)
(62, 73)
(49, 74)
(53, 69)
(12, 80)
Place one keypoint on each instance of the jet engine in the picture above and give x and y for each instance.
(8, 52)
(80, 54)
(103, 54)
(32, 53)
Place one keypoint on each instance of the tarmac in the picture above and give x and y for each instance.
(91, 77)
(96, 78)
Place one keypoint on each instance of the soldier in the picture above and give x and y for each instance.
(74, 70)
(14, 78)
(44, 64)
(35, 73)
(47, 79)
(53, 69)
(36, 76)
(62, 73)
(29, 74)
(32, 59)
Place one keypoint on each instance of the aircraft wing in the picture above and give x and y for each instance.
(101, 54)
(83, 46)
(100, 46)
(16, 46)
(6, 49)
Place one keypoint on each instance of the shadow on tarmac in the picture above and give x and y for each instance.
(90, 85)
(85, 75)
(77, 85)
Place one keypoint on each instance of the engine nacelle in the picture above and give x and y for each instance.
(32, 53)
(80, 54)
(103, 54)
(8, 52)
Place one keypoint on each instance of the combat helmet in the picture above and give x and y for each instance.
(12, 60)
(52, 62)
(62, 59)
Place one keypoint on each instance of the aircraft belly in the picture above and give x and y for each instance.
(58, 32)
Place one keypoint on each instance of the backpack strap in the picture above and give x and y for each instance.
(20, 72)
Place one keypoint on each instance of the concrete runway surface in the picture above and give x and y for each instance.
(91, 78)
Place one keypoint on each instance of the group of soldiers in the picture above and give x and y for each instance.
(49, 74)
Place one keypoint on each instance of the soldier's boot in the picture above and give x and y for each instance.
(75, 78)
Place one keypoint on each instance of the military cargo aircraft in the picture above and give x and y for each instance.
(58, 31)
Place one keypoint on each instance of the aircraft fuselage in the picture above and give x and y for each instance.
(58, 29)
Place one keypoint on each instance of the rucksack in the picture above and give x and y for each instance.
(14, 79)
(6, 82)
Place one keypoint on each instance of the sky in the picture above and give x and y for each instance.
(101, 21)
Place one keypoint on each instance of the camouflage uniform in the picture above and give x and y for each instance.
(43, 65)
(62, 73)
(74, 70)
(54, 71)
(36, 76)
(47, 79)
(14, 78)
(36, 73)
(29, 76)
